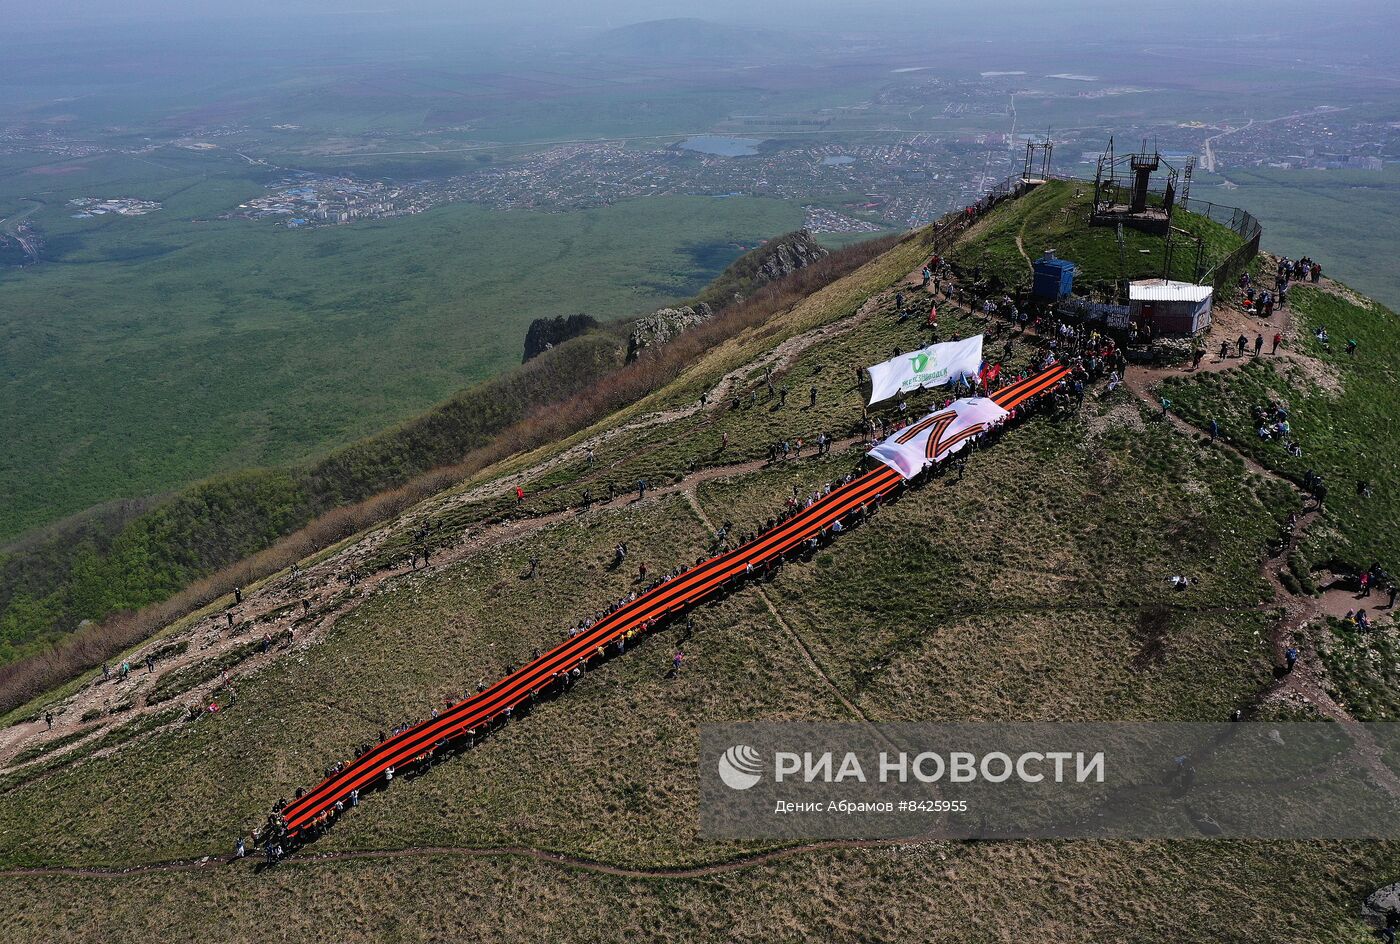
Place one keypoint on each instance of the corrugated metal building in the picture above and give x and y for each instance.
(1169, 307)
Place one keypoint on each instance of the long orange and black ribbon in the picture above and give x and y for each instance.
(667, 599)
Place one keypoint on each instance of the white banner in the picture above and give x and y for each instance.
(938, 435)
(931, 366)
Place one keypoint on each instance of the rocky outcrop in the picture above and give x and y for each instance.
(1381, 901)
(662, 325)
(773, 260)
(544, 333)
(785, 256)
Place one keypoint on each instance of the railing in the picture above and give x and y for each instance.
(1223, 274)
(1241, 221)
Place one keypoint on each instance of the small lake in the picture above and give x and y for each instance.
(831, 160)
(722, 145)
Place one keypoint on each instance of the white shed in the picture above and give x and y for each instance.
(1170, 307)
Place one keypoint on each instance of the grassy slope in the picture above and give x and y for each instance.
(1347, 431)
(1036, 613)
(149, 352)
(991, 598)
(127, 558)
(98, 566)
(1053, 217)
(1133, 893)
(403, 651)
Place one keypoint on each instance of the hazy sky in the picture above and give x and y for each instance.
(72, 33)
(1366, 16)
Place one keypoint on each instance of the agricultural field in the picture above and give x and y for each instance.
(148, 352)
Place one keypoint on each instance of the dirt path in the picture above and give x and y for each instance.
(303, 860)
(307, 602)
(797, 641)
(777, 358)
(1230, 322)
(1304, 684)
(1021, 246)
(275, 605)
(265, 611)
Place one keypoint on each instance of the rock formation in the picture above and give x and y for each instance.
(664, 324)
(544, 333)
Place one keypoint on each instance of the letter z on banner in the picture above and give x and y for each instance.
(937, 435)
(930, 366)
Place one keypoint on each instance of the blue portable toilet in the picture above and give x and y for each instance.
(1054, 278)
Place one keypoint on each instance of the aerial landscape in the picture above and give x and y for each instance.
(531, 472)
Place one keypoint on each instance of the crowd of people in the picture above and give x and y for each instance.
(1090, 354)
(274, 837)
(1271, 423)
(1288, 270)
(1261, 301)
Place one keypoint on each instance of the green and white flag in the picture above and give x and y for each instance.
(931, 366)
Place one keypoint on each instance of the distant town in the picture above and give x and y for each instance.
(89, 207)
(862, 187)
(306, 199)
(845, 182)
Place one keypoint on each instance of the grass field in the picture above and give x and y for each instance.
(152, 351)
(1054, 217)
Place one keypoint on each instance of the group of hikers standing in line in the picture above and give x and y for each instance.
(1089, 354)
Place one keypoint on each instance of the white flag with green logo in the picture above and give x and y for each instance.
(931, 366)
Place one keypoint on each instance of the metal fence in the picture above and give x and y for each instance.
(1241, 221)
(1221, 276)
(952, 225)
